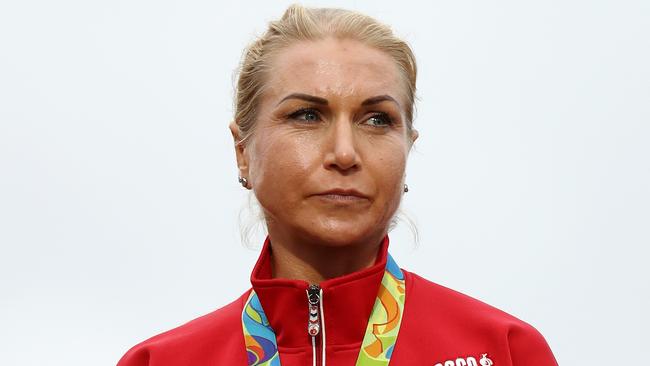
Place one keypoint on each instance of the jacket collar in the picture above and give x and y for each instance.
(347, 301)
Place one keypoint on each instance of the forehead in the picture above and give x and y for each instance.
(333, 68)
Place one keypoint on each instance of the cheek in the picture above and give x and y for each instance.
(279, 163)
(387, 164)
(393, 184)
(387, 168)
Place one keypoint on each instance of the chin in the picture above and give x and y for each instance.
(342, 234)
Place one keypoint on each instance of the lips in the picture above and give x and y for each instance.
(342, 193)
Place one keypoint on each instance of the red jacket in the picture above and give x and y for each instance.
(440, 327)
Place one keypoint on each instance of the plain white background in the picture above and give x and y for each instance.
(119, 201)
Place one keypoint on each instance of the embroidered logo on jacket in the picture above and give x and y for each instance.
(469, 361)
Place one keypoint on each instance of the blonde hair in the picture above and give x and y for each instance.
(303, 24)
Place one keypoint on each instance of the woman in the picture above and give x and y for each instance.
(322, 131)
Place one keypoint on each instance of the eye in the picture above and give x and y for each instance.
(305, 114)
(379, 120)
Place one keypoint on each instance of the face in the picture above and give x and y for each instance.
(327, 158)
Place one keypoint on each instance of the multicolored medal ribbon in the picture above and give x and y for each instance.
(378, 342)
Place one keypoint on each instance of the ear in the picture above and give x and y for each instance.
(414, 135)
(240, 152)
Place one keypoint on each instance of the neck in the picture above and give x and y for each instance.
(315, 263)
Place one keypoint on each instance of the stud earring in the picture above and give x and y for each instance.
(406, 187)
(243, 181)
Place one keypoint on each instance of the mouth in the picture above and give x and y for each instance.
(342, 195)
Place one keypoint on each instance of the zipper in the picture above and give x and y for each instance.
(316, 324)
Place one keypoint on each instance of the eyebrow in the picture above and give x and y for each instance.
(378, 99)
(318, 100)
(306, 97)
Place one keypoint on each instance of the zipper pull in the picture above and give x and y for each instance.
(313, 297)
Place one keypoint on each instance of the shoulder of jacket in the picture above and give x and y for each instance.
(195, 334)
(452, 308)
(456, 304)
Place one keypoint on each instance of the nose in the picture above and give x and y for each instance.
(341, 151)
